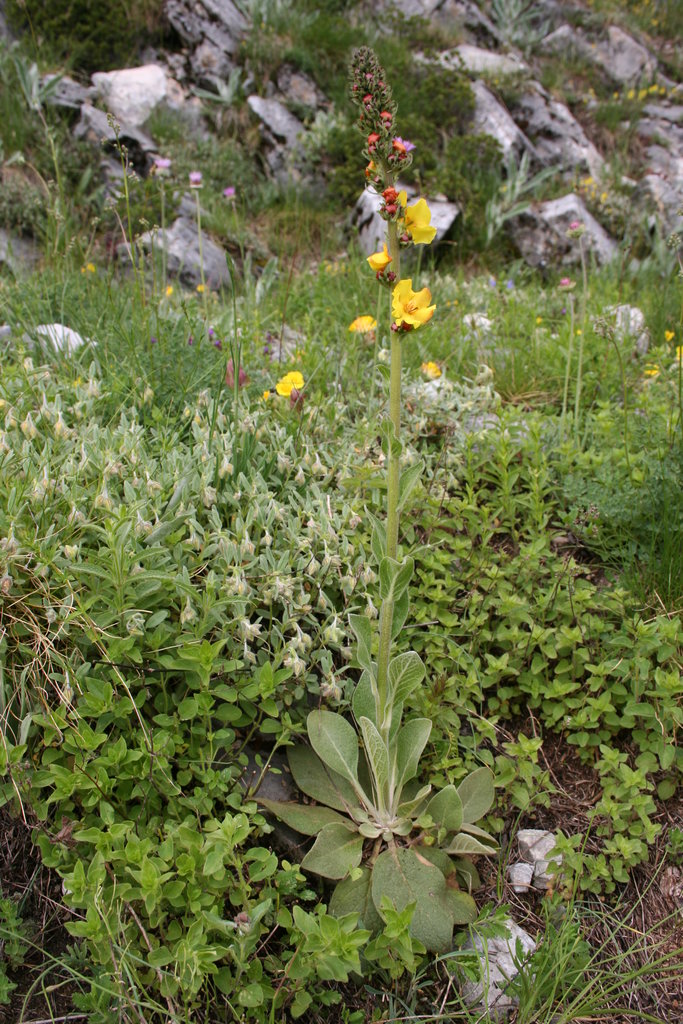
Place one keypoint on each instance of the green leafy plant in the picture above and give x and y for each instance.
(364, 778)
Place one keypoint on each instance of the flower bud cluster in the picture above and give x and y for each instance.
(385, 152)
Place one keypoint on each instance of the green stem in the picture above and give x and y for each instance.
(201, 255)
(624, 399)
(384, 711)
(567, 371)
(579, 367)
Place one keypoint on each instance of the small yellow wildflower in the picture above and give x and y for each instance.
(380, 260)
(603, 197)
(293, 381)
(539, 319)
(363, 324)
(669, 335)
(409, 307)
(417, 220)
(201, 288)
(169, 290)
(89, 268)
(265, 396)
(431, 370)
(579, 332)
(651, 371)
(631, 94)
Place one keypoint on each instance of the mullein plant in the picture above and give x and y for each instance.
(382, 834)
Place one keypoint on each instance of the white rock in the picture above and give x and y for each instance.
(630, 326)
(546, 873)
(520, 876)
(499, 964)
(558, 138)
(479, 61)
(540, 233)
(133, 93)
(535, 844)
(63, 338)
(491, 118)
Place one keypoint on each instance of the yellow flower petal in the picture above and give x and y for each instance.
(363, 324)
(418, 223)
(431, 370)
(288, 383)
(379, 260)
(409, 307)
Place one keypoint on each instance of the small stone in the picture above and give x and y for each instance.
(546, 873)
(63, 338)
(520, 876)
(535, 844)
(630, 326)
(499, 965)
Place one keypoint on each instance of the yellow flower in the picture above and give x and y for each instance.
(669, 335)
(290, 382)
(201, 288)
(539, 319)
(409, 307)
(169, 290)
(363, 324)
(431, 370)
(651, 371)
(579, 332)
(89, 268)
(265, 396)
(380, 260)
(631, 94)
(417, 220)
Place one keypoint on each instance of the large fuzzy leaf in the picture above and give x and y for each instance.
(363, 700)
(406, 672)
(308, 819)
(354, 896)
(394, 577)
(400, 614)
(445, 808)
(319, 782)
(464, 844)
(410, 743)
(406, 878)
(462, 907)
(335, 742)
(335, 852)
(409, 480)
(477, 794)
(362, 627)
(376, 753)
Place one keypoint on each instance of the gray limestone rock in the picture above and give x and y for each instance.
(491, 118)
(540, 233)
(281, 130)
(520, 876)
(557, 137)
(477, 61)
(282, 125)
(545, 872)
(213, 29)
(131, 94)
(501, 959)
(623, 59)
(66, 92)
(299, 89)
(630, 327)
(93, 126)
(535, 844)
(183, 258)
(17, 254)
